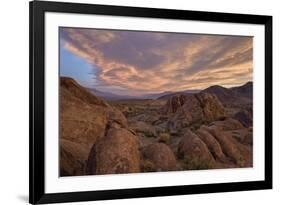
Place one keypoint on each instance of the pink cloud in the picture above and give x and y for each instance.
(140, 62)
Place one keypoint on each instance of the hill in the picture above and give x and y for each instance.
(245, 90)
(236, 96)
(172, 94)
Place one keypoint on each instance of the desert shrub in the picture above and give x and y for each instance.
(148, 166)
(197, 163)
(236, 135)
(235, 132)
(241, 162)
(175, 133)
(148, 134)
(195, 126)
(248, 139)
(211, 124)
(164, 138)
(222, 118)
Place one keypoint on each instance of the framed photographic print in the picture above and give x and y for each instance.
(141, 102)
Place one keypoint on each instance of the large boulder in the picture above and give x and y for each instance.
(227, 124)
(174, 103)
(114, 115)
(83, 120)
(212, 108)
(211, 142)
(194, 152)
(79, 121)
(117, 152)
(239, 153)
(194, 109)
(244, 136)
(160, 156)
(73, 157)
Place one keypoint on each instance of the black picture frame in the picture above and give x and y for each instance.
(37, 10)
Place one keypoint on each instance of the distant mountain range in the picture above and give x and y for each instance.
(108, 95)
(233, 96)
(242, 93)
(245, 90)
(165, 95)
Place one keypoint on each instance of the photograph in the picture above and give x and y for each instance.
(121, 102)
(134, 101)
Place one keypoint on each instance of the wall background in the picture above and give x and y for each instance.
(14, 44)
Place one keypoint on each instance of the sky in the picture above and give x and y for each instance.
(138, 63)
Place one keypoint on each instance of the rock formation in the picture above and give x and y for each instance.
(116, 153)
(206, 130)
(72, 158)
(193, 109)
(83, 120)
(194, 152)
(245, 117)
(237, 152)
(174, 103)
(161, 156)
(211, 142)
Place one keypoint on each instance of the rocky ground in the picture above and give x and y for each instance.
(203, 130)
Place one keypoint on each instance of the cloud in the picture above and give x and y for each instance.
(141, 62)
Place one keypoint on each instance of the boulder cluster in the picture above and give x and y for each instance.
(187, 132)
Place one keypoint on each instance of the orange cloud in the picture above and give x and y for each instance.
(142, 62)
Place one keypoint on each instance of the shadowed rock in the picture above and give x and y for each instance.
(115, 153)
(211, 142)
(96, 138)
(227, 124)
(239, 153)
(245, 117)
(195, 152)
(161, 156)
(73, 158)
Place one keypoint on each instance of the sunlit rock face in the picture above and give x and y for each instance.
(83, 120)
(194, 109)
(177, 132)
(115, 153)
